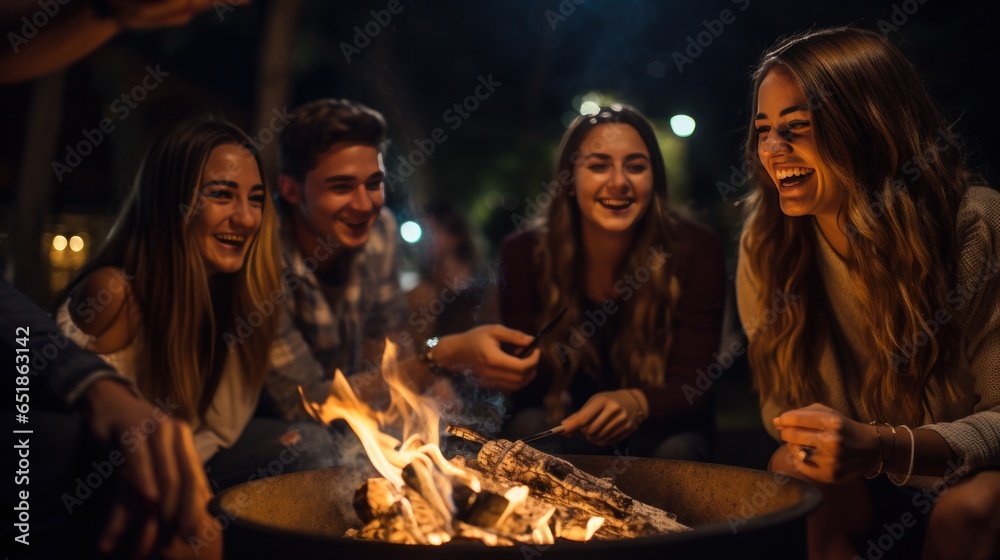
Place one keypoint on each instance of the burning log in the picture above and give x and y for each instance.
(558, 482)
(486, 509)
(511, 494)
(390, 516)
(467, 434)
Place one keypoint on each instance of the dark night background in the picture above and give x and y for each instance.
(430, 56)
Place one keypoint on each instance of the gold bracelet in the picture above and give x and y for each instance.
(881, 452)
(888, 458)
(909, 471)
(639, 414)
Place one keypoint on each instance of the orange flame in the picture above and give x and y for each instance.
(420, 451)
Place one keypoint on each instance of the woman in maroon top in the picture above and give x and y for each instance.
(644, 289)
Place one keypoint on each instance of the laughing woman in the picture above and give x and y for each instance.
(193, 250)
(885, 366)
(644, 289)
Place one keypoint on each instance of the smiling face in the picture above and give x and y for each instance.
(786, 145)
(340, 197)
(612, 179)
(229, 209)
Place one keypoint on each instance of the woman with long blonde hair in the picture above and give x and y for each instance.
(644, 290)
(866, 228)
(192, 251)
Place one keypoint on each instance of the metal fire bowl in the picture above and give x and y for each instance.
(734, 512)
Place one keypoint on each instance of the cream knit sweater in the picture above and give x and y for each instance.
(971, 424)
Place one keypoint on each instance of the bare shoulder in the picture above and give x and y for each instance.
(104, 307)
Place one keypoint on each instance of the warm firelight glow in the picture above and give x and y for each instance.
(516, 497)
(420, 423)
(416, 467)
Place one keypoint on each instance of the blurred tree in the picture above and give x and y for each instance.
(34, 186)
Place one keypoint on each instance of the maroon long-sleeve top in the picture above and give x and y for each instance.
(697, 322)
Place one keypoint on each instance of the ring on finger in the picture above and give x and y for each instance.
(805, 453)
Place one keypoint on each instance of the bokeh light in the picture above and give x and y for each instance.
(589, 108)
(682, 125)
(410, 231)
(59, 243)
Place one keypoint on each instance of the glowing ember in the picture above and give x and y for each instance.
(426, 499)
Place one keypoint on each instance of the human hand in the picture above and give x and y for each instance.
(480, 350)
(148, 14)
(609, 417)
(162, 490)
(838, 449)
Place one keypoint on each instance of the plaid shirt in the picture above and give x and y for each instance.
(324, 327)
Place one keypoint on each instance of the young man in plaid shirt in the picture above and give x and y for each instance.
(342, 297)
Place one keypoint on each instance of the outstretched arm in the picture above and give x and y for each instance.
(50, 37)
(163, 491)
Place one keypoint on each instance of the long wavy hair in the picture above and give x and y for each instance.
(647, 316)
(183, 353)
(878, 132)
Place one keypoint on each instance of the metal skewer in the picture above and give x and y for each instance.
(545, 434)
(538, 337)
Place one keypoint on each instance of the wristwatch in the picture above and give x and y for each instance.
(426, 357)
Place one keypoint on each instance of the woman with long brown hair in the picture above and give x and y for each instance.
(885, 358)
(192, 252)
(644, 290)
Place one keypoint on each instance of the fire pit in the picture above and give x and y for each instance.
(732, 511)
(526, 502)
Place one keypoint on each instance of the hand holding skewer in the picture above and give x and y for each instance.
(609, 417)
